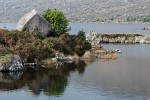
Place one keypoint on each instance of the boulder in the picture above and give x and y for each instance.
(11, 63)
(33, 21)
(147, 39)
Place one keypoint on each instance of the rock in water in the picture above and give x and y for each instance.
(11, 63)
(33, 21)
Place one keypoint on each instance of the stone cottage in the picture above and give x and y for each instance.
(33, 21)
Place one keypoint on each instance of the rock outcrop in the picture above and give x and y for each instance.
(96, 39)
(11, 63)
(33, 21)
(147, 28)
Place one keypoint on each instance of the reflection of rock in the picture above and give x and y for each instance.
(10, 76)
(33, 21)
(16, 80)
(11, 63)
(51, 82)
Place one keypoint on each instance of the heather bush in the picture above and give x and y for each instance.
(33, 49)
(24, 44)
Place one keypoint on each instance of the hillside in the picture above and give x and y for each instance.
(78, 10)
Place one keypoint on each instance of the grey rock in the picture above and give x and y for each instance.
(94, 40)
(147, 28)
(14, 63)
(145, 40)
(33, 21)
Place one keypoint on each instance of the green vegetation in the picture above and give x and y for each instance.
(58, 20)
(5, 58)
(146, 18)
(130, 19)
(97, 19)
(70, 44)
(34, 47)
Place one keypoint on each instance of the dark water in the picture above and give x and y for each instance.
(126, 78)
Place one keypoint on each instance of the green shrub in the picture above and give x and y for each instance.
(71, 44)
(58, 21)
(146, 18)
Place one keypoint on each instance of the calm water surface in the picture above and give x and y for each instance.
(126, 78)
(100, 28)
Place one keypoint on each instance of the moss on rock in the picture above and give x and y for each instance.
(5, 58)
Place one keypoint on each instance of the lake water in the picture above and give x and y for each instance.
(100, 28)
(126, 78)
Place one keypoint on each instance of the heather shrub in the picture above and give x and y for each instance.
(33, 49)
(24, 44)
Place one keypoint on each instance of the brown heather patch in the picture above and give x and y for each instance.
(32, 49)
(23, 44)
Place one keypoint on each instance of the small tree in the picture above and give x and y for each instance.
(57, 20)
(81, 43)
(81, 34)
(146, 18)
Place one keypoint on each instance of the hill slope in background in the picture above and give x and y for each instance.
(77, 10)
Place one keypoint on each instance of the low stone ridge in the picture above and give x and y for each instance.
(33, 21)
(96, 39)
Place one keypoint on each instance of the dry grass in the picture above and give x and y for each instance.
(108, 56)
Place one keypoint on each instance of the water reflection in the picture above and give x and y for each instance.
(49, 81)
(8, 81)
(10, 76)
(126, 78)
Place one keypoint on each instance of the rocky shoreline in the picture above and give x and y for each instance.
(96, 39)
(11, 62)
(96, 53)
